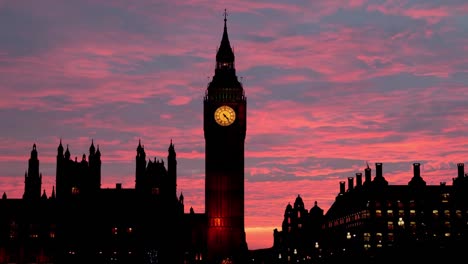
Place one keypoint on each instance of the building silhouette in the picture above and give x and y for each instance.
(372, 221)
(80, 222)
(225, 123)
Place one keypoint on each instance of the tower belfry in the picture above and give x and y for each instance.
(225, 122)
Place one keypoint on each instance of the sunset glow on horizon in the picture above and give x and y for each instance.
(330, 86)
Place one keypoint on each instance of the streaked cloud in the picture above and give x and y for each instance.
(331, 85)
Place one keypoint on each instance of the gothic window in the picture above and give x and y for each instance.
(298, 214)
(114, 230)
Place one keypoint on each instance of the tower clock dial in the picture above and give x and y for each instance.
(225, 115)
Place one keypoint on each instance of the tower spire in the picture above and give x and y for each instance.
(225, 55)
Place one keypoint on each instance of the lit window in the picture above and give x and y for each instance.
(75, 190)
(447, 224)
(401, 212)
(378, 236)
(390, 213)
(114, 230)
(52, 234)
(366, 236)
(435, 213)
(129, 230)
(458, 213)
(390, 225)
(298, 214)
(299, 225)
(412, 213)
(445, 197)
(378, 213)
(289, 220)
(447, 213)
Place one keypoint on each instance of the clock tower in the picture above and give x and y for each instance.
(224, 125)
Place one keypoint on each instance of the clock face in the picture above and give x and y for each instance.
(225, 115)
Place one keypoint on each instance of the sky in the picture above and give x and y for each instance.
(330, 86)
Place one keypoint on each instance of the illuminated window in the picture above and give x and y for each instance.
(299, 225)
(412, 213)
(413, 225)
(458, 213)
(114, 230)
(289, 220)
(447, 224)
(401, 212)
(390, 213)
(445, 197)
(378, 236)
(129, 230)
(366, 236)
(390, 225)
(75, 190)
(447, 234)
(447, 213)
(378, 213)
(298, 214)
(52, 234)
(435, 213)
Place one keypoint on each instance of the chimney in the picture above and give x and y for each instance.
(367, 175)
(342, 187)
(378, 170)
(358, 179)
(350, 184)
(416, 170)
(461, 170)
(118, 186)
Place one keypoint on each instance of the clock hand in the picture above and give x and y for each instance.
(226, 117)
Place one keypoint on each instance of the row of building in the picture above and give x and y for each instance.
(372, 220)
